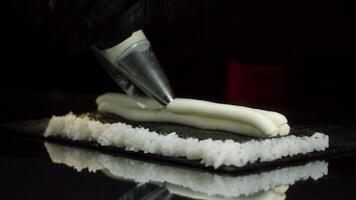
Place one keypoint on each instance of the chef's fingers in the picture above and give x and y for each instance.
(148, 13)
(76, 23)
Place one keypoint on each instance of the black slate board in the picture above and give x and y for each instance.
(342, 142)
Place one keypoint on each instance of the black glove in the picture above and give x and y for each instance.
(105, 23)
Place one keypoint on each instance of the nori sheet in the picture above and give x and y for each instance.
(342, 142)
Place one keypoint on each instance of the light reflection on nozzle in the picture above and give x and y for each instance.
(140, 65)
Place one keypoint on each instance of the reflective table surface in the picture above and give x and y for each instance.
(36, 169)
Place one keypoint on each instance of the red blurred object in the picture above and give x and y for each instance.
(256, 85)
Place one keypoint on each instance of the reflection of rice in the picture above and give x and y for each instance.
(197, 181)
(278, 193)
(210, 152)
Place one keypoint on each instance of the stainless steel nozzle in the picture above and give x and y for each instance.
(140, 65)
(133, 62)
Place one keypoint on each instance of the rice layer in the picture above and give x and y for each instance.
(210, 152)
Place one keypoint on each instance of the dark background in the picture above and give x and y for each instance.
(291, 56)
(294, 57)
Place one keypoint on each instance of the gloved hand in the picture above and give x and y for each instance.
(105, 23)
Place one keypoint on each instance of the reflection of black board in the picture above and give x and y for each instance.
(341, 142)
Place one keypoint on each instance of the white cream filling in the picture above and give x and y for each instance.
(184, 181)
(210, 152)
(200, 114)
